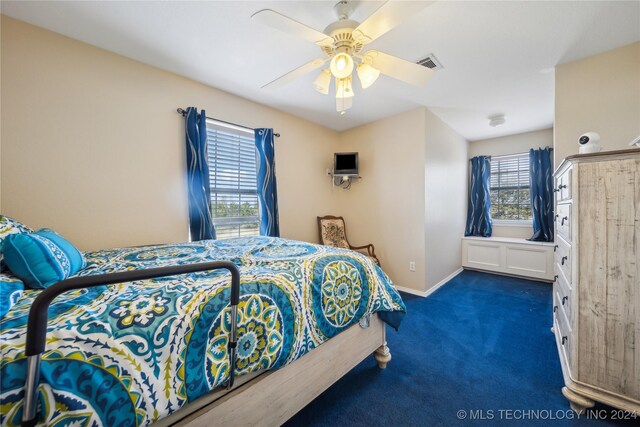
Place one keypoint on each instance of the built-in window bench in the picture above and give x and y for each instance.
(506, 255)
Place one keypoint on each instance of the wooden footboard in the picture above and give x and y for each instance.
(274, 397)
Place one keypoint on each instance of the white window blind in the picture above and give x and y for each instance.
(509, 187)
(232, 177)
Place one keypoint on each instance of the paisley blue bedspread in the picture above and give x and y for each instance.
(133, 353)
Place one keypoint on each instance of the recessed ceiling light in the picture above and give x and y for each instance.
(497, 120)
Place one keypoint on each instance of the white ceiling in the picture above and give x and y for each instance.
(498, 55)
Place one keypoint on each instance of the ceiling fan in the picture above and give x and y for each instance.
(342, 43)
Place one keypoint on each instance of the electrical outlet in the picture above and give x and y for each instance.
(412, 266)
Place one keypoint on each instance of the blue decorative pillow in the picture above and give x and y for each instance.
(10, 226)
(11, 289)
(42, 258)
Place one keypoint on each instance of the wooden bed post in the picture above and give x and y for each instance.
(382, 356)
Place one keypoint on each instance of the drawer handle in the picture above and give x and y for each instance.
(555, 277)
(555, 248)
(555, 308)
(561, 186)
(564, 218)
(555, 190)
(564, 299)
(564, 340)
(564, 258)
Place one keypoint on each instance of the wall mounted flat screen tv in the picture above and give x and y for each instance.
(345, 164)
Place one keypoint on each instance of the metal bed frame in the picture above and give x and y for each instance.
(39, 316)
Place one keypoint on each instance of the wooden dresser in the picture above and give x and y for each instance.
(596, 294)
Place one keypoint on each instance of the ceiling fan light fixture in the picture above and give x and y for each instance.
(367, 75)
(344, 89)
(323, 81)
(342, 44)
(341, 65)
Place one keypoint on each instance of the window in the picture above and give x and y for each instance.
(232, 177)
(509, 188)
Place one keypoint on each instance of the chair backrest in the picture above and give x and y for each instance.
(332, 231)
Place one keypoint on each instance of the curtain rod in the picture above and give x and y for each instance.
(511, 155)
(184, 113)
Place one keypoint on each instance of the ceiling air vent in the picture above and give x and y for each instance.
(431, 62)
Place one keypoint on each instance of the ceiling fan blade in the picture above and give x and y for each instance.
(283, 23)
(294, 74)
(387, 17)
(398, 68)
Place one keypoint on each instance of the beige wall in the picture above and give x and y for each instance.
(92, 145)
(512, 144)
(601, 94)
(446, 195)
(386, 207)
(0, 116)
(413, 169)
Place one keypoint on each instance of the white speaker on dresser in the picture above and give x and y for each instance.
(596, 294)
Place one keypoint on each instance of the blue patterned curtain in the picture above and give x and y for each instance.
(540, 174)
(200, 221)
(479, 206)
(267, 189)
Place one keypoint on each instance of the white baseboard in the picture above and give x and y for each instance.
(411, 291)
(433, 288)
(443, 281)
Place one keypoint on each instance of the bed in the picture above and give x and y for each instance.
(157, 351)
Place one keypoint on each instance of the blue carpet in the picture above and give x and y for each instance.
(481, 344)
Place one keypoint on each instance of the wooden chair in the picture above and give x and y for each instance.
(333, 233)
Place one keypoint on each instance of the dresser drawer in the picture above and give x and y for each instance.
(563, 331)
(565, 299)
(563, 186)
(563, 220)
(563, 260)
(565, 340)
